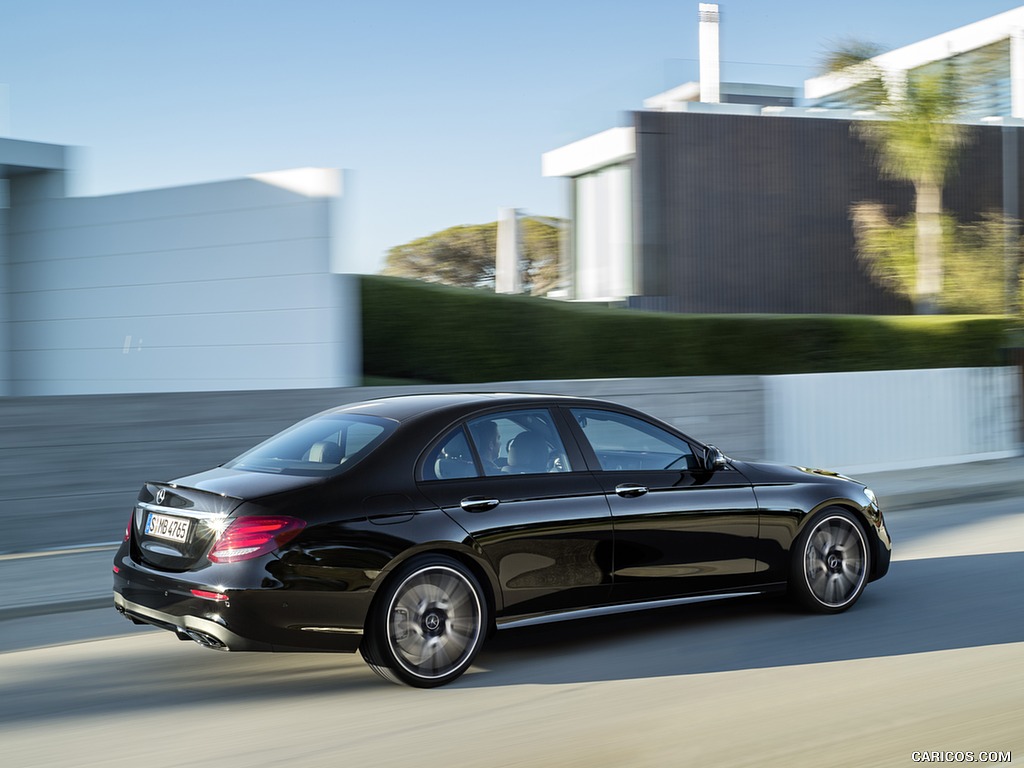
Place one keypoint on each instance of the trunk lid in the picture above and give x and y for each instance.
(173, 526)
(176, 523)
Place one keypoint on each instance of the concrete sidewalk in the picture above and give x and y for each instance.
(41, 583)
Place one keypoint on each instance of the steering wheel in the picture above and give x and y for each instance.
(558, 461)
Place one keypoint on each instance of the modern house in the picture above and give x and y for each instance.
(731, 198)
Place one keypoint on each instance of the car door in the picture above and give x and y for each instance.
(679, 529)
(523, 493)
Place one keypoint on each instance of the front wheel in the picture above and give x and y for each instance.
(829, 562)
(427, 625)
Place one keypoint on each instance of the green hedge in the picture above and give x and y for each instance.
(414, 330)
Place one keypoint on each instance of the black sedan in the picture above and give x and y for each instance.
(411, 527)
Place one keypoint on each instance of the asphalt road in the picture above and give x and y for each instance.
(931, 659)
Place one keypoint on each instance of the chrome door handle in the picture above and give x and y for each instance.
(478, 503)
(630, 490)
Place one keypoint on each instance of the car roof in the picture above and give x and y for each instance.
(405, 407)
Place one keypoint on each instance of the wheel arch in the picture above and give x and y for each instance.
(866, 523)
(465, 556)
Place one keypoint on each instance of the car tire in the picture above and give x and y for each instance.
(427, 624)
(830, 562)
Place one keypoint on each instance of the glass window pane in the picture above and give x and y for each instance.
(519, 442)
(623, 442)
(319, 445)
(451, 459)
(357, 436)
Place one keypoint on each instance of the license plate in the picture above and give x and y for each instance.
(165, 527)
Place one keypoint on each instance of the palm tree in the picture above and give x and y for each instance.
(916, 140)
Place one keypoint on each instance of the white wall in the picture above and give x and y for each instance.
(874, 421)
(209, 287)
(603, 235)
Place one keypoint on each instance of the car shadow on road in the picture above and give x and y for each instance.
(921, 606)
(110, 677)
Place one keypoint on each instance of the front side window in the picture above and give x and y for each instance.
(320, 445)
(623, 442)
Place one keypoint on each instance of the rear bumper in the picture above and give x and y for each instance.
(251, 619)
(207, 633)
(218, 633)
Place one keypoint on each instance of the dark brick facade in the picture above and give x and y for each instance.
(737, 213)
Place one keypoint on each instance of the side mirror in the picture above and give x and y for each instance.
(714, 459)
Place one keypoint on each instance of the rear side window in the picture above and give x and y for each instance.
(520, 442)
(320, 445)
(451, 459)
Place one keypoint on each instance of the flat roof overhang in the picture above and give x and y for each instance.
(601, 150)
(19, 157)
(956, 41)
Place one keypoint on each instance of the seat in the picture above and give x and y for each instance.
(325, 452)
(445, 469)
(528, 453)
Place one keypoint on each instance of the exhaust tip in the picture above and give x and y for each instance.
(205, 640)
(127, 616)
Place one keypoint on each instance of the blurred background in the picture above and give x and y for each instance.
(790, 229)
(254, 198)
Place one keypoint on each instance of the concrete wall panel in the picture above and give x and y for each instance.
(241, 294)
(217, 286)
(195, 200)
(268, 326)
(71, 466)
(878, 420)
(305, 256)
(167, 234)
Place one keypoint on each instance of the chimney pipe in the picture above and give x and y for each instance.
(709, 75)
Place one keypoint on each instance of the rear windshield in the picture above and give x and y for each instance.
(320, 445)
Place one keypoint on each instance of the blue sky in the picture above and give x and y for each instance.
(442, 109)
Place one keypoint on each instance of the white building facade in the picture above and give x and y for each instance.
(990, 52)
(618, 247)
(230, 285)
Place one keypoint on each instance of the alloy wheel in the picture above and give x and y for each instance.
(835, 561)
(434, 622)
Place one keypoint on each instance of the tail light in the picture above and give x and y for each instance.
(128, 528)
(249, 537)
(218, 597)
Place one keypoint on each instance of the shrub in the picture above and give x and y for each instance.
(414, 330)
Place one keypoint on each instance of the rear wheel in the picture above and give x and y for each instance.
(427, 625)
(830, 560)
